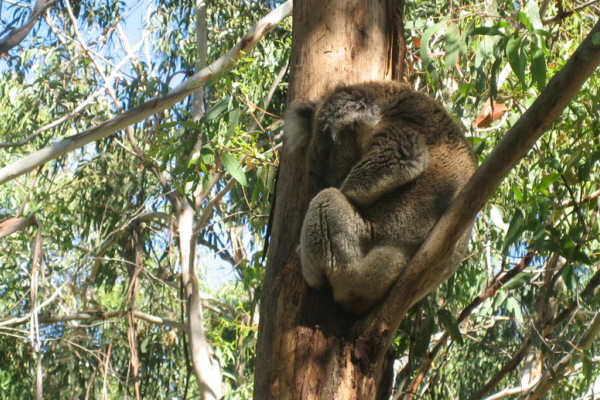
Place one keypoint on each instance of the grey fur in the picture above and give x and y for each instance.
(388, 162)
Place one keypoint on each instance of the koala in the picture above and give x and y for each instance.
(387, 162)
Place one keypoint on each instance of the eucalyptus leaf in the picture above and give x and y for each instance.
(232, 166)
(449, 322)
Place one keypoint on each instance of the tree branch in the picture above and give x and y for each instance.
(376, 332)
(112, 239)
(551, 375)
(107, 83)
(18, 35)
(562, 14)
(94, 315)
(11, 225)
(490, 290)
(152, 106)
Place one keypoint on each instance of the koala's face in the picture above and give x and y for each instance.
(332, 154)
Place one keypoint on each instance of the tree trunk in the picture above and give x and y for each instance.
(307, 348)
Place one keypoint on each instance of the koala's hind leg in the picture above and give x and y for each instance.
(333, 237)
(368, 278)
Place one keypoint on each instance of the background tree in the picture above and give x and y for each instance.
(117, 285)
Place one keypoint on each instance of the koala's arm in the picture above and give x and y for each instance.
(397, 155)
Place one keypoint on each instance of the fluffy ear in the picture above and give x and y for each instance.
(298, 124)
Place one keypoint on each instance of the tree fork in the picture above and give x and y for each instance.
(306, 349)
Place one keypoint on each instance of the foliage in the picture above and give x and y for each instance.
(106, 212)
(501, 55)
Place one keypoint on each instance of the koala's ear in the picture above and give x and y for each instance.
(298, 124)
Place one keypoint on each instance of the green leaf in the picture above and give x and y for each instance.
(234, 116)
(546, 181)
(581, 257)
(449, 322)
(232, 166)
(487, 31)
(168, 125)
(514, 54)
(425, 51)
(513, 307)
(596, 39)
(453, 43)
(588, 368)
(208, 158)
(424, 337)
(525, 20)
(570, 278)
(515, 229)
(499, 299)
(192, 125)
(538, 67)
(495, 73)
(144, 345)
(533, 12)
(518, 281)
(518, 193)
(217, 109)
(417, 24)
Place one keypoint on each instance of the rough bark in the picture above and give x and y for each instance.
(305, 348)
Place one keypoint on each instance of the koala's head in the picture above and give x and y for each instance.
(333, 147)
(338, 131)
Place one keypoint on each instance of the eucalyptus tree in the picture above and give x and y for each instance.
(103, 245)
(507, 314)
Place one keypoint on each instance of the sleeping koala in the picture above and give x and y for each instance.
(388, 162)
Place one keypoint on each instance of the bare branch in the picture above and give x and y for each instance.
(562, 14)
(107, 83)
(488, 292)
(551, 376)
(11, 225)
(511, 391)
(507, 368)
(96, 315)
(112, 239)
(588, 199)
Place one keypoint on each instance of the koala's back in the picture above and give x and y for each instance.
(408, 213)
